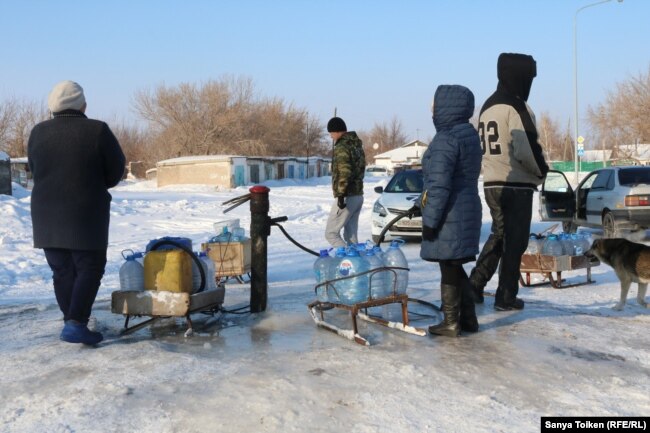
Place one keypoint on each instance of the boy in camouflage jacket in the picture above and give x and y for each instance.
(348, 168)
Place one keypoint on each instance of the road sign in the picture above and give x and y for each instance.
(581, 152)
(581, 139)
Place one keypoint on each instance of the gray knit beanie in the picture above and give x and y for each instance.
(66, 95)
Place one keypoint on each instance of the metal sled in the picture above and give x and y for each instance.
(359, 310)
(162, 304)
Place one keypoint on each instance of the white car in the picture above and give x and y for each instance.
(399, 195)
(612, 198)
(376, 170)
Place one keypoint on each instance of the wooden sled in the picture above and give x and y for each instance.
(162, 304)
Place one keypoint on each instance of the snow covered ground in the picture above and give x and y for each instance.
(566, 353)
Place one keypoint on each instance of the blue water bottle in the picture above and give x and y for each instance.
(395, 257)
(352, 290)
(322, 271)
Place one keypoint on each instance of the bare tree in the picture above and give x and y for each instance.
(388, 136)
(557, 144)
(17, 118)
(225, 116)
(7, 114)
(623, 117)
(136, 143)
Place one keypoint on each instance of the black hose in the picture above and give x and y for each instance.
(388, 226)
(295, 242)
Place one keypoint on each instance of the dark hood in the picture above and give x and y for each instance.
(452, 105)
(516, 73)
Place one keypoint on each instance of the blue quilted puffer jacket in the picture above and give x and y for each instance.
(450, 204)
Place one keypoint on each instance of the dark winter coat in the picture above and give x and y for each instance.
(512, 156)
(348, 166)
(450, 203)
(74, 161)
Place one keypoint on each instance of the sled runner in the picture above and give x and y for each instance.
(359, 310)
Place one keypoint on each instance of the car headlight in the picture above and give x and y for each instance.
(379, 209)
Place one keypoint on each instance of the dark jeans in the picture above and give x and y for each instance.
(511, 210)
(76, 275)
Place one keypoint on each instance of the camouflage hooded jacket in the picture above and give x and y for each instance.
(348, 165)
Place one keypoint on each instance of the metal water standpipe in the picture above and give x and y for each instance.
(260, 230)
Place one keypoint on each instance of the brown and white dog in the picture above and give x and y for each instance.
(630, 261)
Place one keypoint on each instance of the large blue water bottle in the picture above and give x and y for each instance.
(332, 289)
(323, 271)
(395, 257)
(210, 271)
(131, 271)
(552, 246)
(377, 279)
(533, 245)
(352, 290)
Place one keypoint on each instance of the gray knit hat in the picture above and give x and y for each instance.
(66, 95)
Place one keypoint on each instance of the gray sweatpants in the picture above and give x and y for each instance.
(346, 219)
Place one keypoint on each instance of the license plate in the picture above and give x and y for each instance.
(409, 223)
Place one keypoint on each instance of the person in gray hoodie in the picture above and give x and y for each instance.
(513, 167)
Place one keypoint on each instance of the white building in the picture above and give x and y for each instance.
(406, 155)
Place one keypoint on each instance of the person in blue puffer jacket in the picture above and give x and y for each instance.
(451, 206)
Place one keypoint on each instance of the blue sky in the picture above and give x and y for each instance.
(372, 60)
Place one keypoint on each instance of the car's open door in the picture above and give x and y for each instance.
(557, 199)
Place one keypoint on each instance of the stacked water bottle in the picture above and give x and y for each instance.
(132, 271)
(208, 271)
(571, 244)
(346, 277)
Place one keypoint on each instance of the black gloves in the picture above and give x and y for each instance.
(414, 212)
(341, 203)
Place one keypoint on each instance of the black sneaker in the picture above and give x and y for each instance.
(517, 304)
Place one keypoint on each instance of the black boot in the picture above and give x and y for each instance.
(449, 327)
(468, 320)
(476, 292)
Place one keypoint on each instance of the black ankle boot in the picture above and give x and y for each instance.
(468, 320)
(449, 327)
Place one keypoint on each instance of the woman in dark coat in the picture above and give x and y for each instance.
(74, 161)
(451, 206)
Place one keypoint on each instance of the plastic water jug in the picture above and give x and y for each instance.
(355, 289)
(209, 270)
(533, 245)
(196, 276)
(332, 293)
(323, 272)
(395, 257)
(568, 246)
(379, 253)
(131, 271)
(552, 246)
(587, 240)
(377, 279)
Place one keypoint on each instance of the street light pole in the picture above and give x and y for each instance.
(575, 81)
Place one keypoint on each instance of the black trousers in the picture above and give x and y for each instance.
(511, 210)
(452, 272)
(77, 275)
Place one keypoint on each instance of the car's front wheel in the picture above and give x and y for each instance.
(609, 226)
